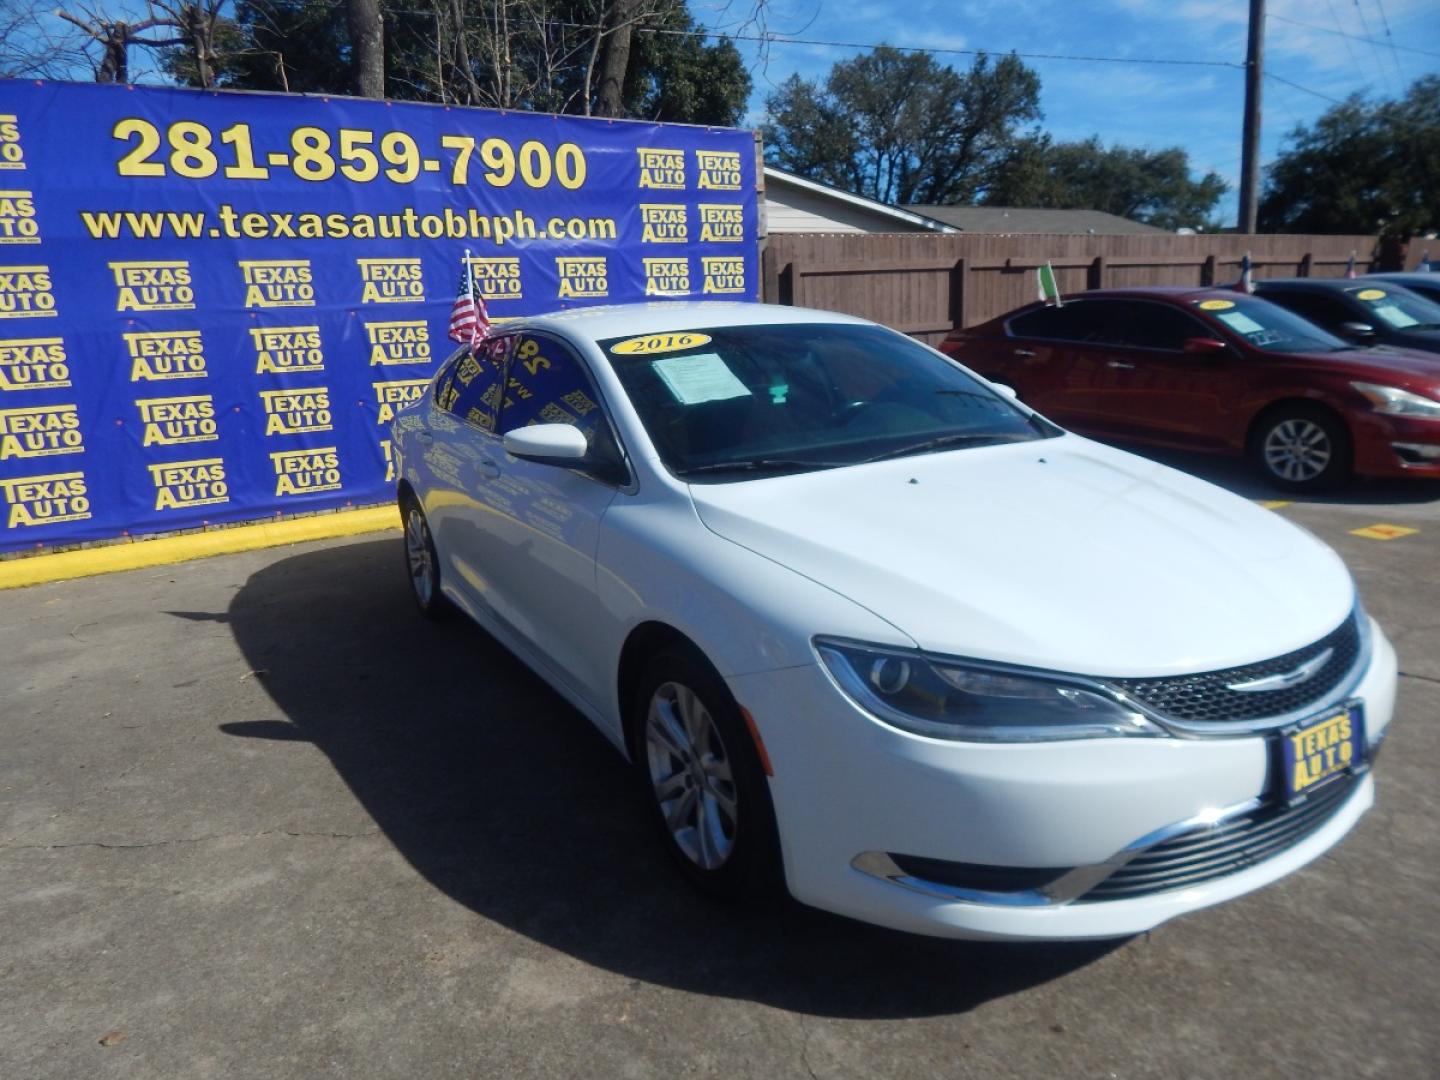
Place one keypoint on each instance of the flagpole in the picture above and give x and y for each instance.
(469, 277)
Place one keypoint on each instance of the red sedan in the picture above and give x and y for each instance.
(1220, 371)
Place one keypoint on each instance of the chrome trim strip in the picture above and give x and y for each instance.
(880, 865)
(1302, 673)
(1077, 882)
(1342, 691)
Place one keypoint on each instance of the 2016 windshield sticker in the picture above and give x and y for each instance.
(1239, 321)
(1371, 294)
(699, 378)
(1216, 305)
(651, 344)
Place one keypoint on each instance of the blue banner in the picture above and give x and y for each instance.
(211, 304)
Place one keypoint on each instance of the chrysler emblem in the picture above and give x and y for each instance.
(1304, 673)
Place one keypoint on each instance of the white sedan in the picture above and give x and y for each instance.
(874, 632)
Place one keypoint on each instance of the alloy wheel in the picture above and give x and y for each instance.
(417, 556)
(691, 776)
(1297, 450)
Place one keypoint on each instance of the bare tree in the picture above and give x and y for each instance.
(115, 36)
(194, 22)
(34, 46)
(367, 47)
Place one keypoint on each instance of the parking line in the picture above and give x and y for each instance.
(1275, 504)
(109, 558)
(1383, 532)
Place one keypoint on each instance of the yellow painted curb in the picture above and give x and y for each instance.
(110, 558)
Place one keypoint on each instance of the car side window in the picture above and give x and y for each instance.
(1324, 310)
(1079, 320)
(1157, 326)
(474, 390)
(548, 385)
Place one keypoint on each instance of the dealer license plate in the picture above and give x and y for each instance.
(1317, 750)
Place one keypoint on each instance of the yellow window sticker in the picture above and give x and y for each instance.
(651, 344)
(1216, 305)
(1371, 294)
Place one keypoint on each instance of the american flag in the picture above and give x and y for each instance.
(1244, 285)
(1350, 266)
(469, 321)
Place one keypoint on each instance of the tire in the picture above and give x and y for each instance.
(1301, 448)
(703, 779)
(422, 564)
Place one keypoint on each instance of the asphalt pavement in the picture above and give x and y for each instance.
(258, 819)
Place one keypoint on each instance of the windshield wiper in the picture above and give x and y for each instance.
(757, 465)
(939, 443)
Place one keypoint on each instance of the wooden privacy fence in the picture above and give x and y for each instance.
(926, 284)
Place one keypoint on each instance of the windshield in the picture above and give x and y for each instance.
(1268, 326)
(729, 402)
(1399, 310)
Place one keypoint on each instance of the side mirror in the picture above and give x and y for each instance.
(548, 444)
(1357, 329)
(1005, 390)
(1204, 346)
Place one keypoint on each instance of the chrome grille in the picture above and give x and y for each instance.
(1206, 697)
(1227, 848)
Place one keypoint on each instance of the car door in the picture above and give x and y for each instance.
(1055, 354)
(541, 522)
(460, 464)
(1147, 386)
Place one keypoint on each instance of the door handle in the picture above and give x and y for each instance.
(1024, 352)
(424, 438)
(487, 468)
(1123, 365)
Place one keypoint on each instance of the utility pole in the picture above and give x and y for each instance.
(1250, 148)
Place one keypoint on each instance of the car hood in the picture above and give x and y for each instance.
(1380, 362)
(1060, 553)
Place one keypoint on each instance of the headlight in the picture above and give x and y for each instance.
(971, 702)
(1390, 399)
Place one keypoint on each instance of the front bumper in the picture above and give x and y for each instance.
(1387, 445)
(845, 785)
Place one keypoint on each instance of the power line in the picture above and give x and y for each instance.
(1306, 89)
(772, 39)
(1365, 26)
(1344, 38)
(1385, 23)
(1352, 37)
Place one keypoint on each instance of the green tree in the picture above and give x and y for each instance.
(1362, 167)
(900, 127)
(679, 77)
(1152, 186)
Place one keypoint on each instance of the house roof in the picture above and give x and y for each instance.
(895, 213)
(1014, 219)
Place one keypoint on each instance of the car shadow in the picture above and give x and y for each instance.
(507, 800)
(1235, 474)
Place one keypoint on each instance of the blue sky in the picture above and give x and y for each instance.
(1198, 108)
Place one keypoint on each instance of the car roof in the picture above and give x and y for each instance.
(1305, 284)
(620, 320)
(1405, 277)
